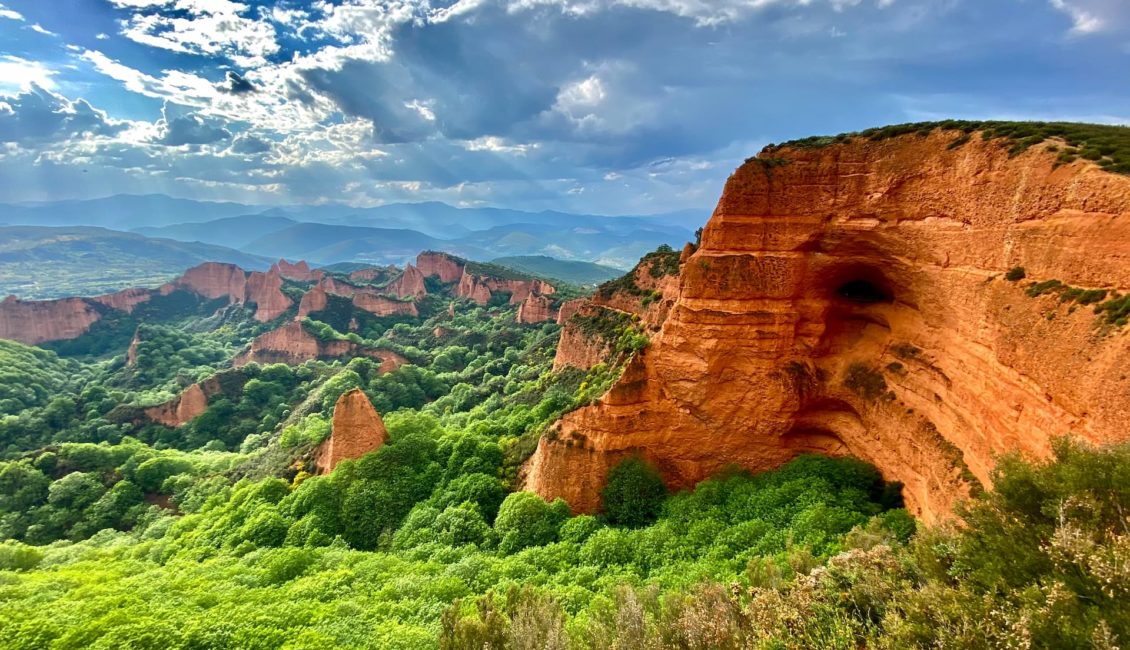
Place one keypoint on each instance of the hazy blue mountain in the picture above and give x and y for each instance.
(229, 231)
(50, 262)
(127, 212)
(571, 271)
(321, 243)
(122, 211)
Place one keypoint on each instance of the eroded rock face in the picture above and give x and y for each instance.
(125, 300)
(568, 308)
(292, 344)
(381, 305)
(535, 309)
(441, 265)
(410, 284)
(851, 301)
(190, 404)
(265, 290)
(36, 321)
(357, 430)
(215, 280)
(650, 303)
(299, 272)
(473, 288)
(314, 300)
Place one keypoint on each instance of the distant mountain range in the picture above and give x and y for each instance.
(45, 262)
(582, 273)
(325, 234)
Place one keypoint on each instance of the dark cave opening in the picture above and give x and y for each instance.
(863, 292)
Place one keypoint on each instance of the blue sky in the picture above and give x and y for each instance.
(605, 106)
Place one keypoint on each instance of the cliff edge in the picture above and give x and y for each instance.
(852, 299)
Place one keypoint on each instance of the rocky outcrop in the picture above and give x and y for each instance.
(131, 351)
(299, 272)
(472, 287)
(125, 300)
(410, 284)
(849, 299)
(265, 291)
(645, 294)
(292, 344)
(440, 265)
(535, 309)
(579, 348)
(215, 280)
(314, 300)
(568, 308)
(182, 410)
(357, 430)
(37, 321)
(372, 274)
(381, 305)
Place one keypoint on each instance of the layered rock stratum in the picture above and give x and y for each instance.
(851, 299)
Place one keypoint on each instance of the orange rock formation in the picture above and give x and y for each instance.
(299, 272)
(124, 300)
(265, 291)
(849, 300)
(535, 309)
(357, 430)
(188, 405)
(292, 344)
(410, 284)
(36, 321)
(441, 265)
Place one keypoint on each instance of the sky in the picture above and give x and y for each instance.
(598, 106)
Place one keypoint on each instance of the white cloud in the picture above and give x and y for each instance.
(205, 27)
(498, 145)
(18, 74)
(42, 30)
(10, 14)
(1093, 16)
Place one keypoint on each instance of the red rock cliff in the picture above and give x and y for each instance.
(34, 321)
(535, 309)
(299, 272)
(850, 300)
(357, 430)
(265, 290)
(441, 265)
(410, 284)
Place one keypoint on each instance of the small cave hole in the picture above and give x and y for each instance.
(862, 291)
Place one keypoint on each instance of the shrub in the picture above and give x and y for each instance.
(15, 556)
(634, 493)
(1015, 274)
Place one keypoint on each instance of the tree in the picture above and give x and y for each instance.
(634, 493)
(525, 520)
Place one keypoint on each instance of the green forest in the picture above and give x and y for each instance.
(120, 532)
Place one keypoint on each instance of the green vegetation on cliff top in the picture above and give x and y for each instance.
(1106, 145)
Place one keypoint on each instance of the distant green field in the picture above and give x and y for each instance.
(40, 262)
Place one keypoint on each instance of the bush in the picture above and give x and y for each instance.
(1015, 274)
(15, 556)
(634, 493)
